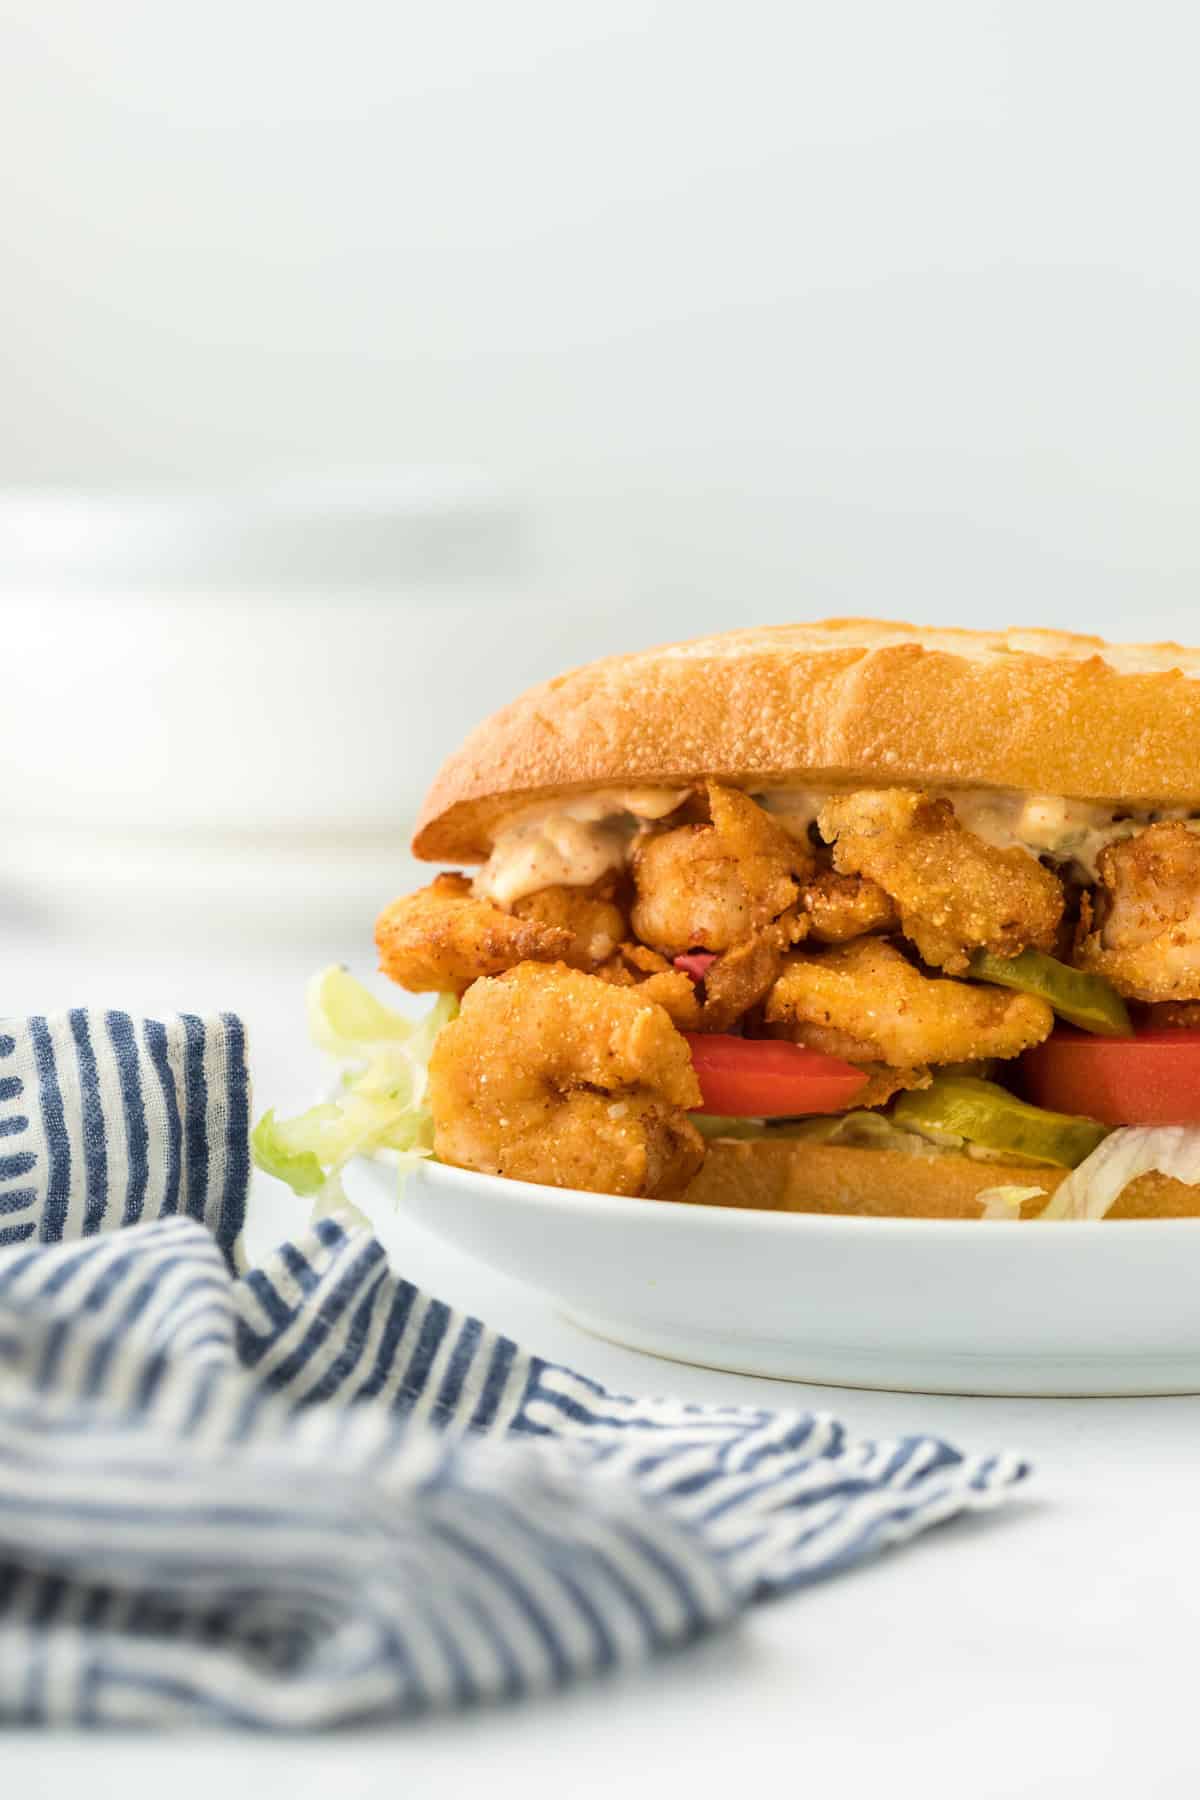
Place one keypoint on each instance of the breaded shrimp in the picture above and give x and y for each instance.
(883, 1082)
(737, 980)
(1142, 931)
(709, 887)
(591, 915)
(442, 938)
(840, 907)
(552, 1076)
(867, 1003)
(955, 893)
(632, 965)
(1174, 1015)
(745, 975)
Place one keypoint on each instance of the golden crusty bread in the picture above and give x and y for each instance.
(789, 1175)
(846, 700)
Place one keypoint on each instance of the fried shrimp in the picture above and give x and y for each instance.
(883, 1082)
(1142, 931)
(632, 965)
(442, 938)
(840, 907)
(737, 980)
(550, 1075)
(954, 892)
(867, 1003)
(709, 887)
(745, 975)
(591, 915)
(1177, 1015)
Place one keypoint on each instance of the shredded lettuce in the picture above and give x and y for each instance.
(300, 1169)
(1091, 1189)
(380, 1104)
(865, 1130)
(716, 1125)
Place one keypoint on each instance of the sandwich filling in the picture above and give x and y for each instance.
(574, 843)
(640, 970)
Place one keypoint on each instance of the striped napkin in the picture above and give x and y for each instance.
(308, 1493)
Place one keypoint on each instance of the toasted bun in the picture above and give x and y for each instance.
(789, 1175)
(848, 700)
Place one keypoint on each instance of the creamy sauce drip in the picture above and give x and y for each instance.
(1069, 832)
(570, 845)
(575, 843)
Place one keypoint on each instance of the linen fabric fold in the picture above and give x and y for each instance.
(107, 1120)
(310, 1493)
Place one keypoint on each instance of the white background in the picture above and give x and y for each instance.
(733, 313)
(759, 310)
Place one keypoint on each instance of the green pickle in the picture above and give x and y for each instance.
(716, 1125)
(988, 1115)
(1084, 1000)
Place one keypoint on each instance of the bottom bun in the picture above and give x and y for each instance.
(790, 1175)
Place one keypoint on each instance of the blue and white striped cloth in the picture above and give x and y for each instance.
(308, 1493)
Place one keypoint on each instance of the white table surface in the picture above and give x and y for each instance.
(1048, 1650)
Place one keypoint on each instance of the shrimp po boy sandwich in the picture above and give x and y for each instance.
(847, 918)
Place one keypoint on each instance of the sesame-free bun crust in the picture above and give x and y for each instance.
(789, 1175)
(846, 701)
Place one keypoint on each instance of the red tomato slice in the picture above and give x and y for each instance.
(696, 963)
(767, 1078)
(1152, 1078)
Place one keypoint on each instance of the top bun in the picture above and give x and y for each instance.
(855, 701)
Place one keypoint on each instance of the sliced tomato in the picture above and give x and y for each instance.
(1152, 1078)
(766, 1078)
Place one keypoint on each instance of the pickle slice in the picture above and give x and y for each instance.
(988, 1115)
(1084, 1000)
(716, 1125)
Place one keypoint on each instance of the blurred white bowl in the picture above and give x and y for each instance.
(210, 694)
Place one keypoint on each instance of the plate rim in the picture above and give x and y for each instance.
(717, 1218)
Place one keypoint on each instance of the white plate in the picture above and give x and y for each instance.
(926, 1305)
